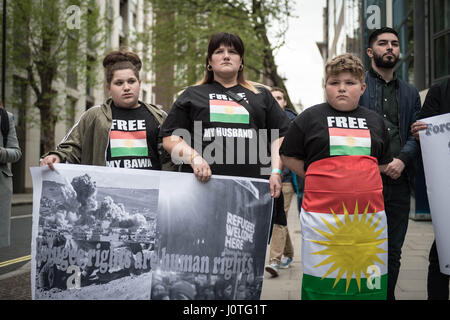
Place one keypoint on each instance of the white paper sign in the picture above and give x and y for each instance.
(435, 144)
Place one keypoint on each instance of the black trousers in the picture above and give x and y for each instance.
(437, 282)
(396, 205)
(278, 214)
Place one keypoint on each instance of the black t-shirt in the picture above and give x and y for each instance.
(321, 132)
(225, 133)
(133, 139)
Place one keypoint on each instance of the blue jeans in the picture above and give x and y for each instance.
(397, 199)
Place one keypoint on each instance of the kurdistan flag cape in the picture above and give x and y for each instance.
(344, 231)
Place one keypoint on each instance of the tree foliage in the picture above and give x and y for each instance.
(182, 30)
(49, 40)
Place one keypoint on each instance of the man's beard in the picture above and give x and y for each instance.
(380, 63)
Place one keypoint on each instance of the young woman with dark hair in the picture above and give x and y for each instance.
(231, 111)
(121, 132)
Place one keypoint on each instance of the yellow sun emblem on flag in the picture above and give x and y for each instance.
(352, 246)
(350, 141)
(128, 143)
(229, 109)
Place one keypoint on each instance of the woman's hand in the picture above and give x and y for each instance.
(50, 160)
(180, 151)
(416, 127)
(275, 185)
(201, 168)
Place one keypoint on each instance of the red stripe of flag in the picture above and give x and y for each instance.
(224, 103)
(333, 181)
(128, 135)
(362, 133)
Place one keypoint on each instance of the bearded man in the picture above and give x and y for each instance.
(398, 103)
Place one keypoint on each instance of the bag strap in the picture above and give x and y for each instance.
(4, 125)
(247, 106)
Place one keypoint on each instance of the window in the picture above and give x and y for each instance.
(373, 17)
(90, 75)
(91, 45)
(19, 104)
(109, 24)
(72, 51)
(144, 96)
(440, 39)
(442, 56)
(441, 9)
(353, 26)
(123, 25)
(71, 103)
(403, 11)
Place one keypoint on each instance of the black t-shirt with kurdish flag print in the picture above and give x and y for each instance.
(234, 139)
(321, 132)
(133, 139)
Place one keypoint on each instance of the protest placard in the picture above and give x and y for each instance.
(110, 233)
(435, 145)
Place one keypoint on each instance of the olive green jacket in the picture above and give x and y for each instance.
(87, 141)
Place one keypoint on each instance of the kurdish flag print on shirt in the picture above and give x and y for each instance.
(349, 141)
(344, 230)
(128, 143)
(228, 112)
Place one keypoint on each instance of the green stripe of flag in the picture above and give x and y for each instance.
(316, 288)
(125, 152)
(235, 118)
(349, 151)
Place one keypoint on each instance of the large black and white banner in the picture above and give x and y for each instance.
(109, 233)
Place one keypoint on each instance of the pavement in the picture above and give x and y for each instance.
(22, 198)
(411, 285)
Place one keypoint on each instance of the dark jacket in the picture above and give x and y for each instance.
(287, 176)
(437, 101)
(409, 105)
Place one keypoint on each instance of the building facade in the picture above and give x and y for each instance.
(423, 27)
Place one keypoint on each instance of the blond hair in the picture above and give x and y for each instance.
(345, 63)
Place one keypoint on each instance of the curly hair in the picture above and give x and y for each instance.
(345, 63)
(120, 60)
